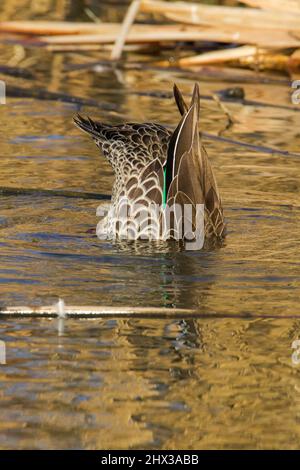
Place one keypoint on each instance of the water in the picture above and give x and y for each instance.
(193, 384)
(198, 383)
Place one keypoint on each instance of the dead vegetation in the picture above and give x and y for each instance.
(262, 35)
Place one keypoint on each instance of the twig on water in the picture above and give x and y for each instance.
(96, 311)
(231, 120)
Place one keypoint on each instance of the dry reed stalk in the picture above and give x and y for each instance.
(176, 33)
(107, 33)
(54, 27)
(93, 47)
(279, 5)
(269, 61)
(126, 25)
(248, 56)
(219, 56)
(216, 16)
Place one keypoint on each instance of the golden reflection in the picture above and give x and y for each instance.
(193, 384)
(210, 383)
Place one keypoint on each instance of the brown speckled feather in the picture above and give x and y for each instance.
(140, 153)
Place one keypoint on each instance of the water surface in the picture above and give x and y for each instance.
(197, 383)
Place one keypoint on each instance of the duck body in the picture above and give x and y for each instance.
(155, 170)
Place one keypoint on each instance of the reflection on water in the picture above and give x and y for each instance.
(192, 384)
(151, 383)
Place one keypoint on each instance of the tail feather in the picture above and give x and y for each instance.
(88, 125)
(180, 101)
(192, 170)
(181, 104)
(180, 143)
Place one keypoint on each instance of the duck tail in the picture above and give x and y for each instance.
(88, 125)
(181, 167)
(189, 175)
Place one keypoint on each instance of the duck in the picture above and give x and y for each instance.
(158, 173)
